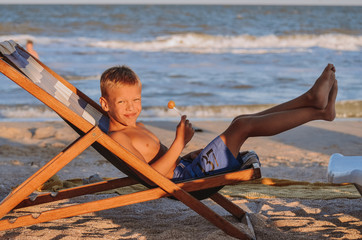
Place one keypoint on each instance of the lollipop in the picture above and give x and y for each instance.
(171, 105)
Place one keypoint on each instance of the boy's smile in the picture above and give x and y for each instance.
(123, 104)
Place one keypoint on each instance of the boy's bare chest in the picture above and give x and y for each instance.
(146, 143)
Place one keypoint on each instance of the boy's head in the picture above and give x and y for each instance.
(118, 76)
(121, 95)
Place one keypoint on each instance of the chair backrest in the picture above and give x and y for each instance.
(65, 93)
(35, 72)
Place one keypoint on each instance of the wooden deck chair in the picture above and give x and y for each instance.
(91, 122)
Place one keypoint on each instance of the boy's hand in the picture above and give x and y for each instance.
(185, 130)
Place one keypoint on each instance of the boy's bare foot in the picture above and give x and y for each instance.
(330, 110)
(319, 93)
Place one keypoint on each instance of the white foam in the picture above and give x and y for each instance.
(202, 43)
(26, 112)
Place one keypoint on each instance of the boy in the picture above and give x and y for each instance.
(121, 99)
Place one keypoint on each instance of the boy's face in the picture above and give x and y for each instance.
(123, 104)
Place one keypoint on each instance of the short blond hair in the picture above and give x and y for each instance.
(118, 76)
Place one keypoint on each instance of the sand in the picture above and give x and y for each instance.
(300, 154)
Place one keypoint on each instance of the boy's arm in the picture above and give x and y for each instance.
(167, 163)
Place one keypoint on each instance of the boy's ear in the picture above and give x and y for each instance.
(104, 103)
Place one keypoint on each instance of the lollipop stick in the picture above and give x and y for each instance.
(174, 108)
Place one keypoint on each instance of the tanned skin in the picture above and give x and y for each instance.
(123, 104)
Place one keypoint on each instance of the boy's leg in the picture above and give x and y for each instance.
(274, 122)
(314, 97)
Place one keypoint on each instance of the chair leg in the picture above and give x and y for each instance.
(359, 188)
(210, 215)
(246, 220)
(235, 210)
(229, 206)
(48, 170)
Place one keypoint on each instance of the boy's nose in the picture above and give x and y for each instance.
(129, 106)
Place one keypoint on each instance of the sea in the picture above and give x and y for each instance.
(213, 61)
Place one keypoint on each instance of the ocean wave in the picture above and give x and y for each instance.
(344, 109)
(243, 44)
(27, 113)
(208, 44)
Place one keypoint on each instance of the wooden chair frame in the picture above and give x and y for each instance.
(164, 187)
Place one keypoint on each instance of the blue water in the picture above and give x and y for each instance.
(211, 60)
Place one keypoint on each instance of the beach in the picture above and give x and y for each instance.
(215, 62)
(301, 154)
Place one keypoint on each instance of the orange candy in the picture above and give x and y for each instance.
(171, 104)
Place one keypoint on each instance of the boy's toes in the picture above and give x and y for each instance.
(331, 67)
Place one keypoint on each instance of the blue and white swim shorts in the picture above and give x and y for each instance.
(214, 158)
